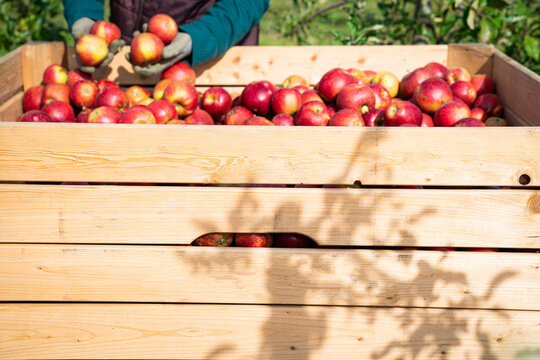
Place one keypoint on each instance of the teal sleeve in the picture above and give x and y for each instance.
(76, 9)
(225, 24)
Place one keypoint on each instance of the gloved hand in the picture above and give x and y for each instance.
(82, 27)
(178, 49)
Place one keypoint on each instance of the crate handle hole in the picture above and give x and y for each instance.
(524, 179)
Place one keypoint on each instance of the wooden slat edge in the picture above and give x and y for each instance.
(11, 74)
(36, 57)
(12, 108)
(99, 331)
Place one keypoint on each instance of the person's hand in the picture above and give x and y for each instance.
(179, 48)
(82, 27)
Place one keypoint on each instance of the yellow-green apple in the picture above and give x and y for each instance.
(181, 72)
(346, 117)
(164, 27)
(357, 97)
(388, 80)
(104, 83)
(33, 98)
(464, 91)
(495, 121)
(55, 92)
(105, 115)
(283, 120)
(427, 121)
(183, 96)
(451, 113)
(256, 97)
(258, 120)
(402, 112)
(163, 111)
(479, 114)
(456, 74)
(286, 101)
(91, 50)
(294, 80)
(490, 103)
(431, 94)
(332, 82)
(83, 94)
(135, 94)
(374, 118)
(146, 49)
(108, 31)
(359, 76)
(312, 113)
(438, 69)
(59, 111)
(113, 97)
(55, 73)
(199, 117)
(137, 114)
(253, 240)
(34, 116)
(310, 95)
(293, 240)
(410, 81)
(483, 84)
(382, 96)
(76, 75)
(214, 239)
(216, 101)
(237, 115)
(469, 122)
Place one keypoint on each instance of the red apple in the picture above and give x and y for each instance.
(55, 92)
(370, 74)
(55, 74)
(159, 89)
(135, 94)
(60, 111)
(258, 120)
(310, 95)
(464, 91)
(427, 121)
(257, 95)
(431, 94)
(357, 97)
(346, 117)
(359, 76)
(91, 49)
(410, 81)
(216, 101)
(490, 103)
(469, 122)
(438, 69)
(34, 116)
(283, 120)
(181, 72)
(146, 49)
(108, 31)
(294, 80)
(164, 27)
(237, 115)
(77, 74)
(113, 97)
(214, 239)
(301, 88)
(402, 112)
(286, 101)
(253, 240)
(199, 117)
(479, 114)
(163, 111)
(83, 94)
(382, 96)
(331, 108)
(104, 83)
(183, 96)
(291, 240)
(82, 116)
(137, 114)
(457, 74)
(374, 118)
(332, 82)
(312, 113)
(33, 98)
(495, 121)
(451, 113)
(483, 84)
(388, 80)
(105, 115)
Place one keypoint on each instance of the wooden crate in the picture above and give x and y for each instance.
(100, 271)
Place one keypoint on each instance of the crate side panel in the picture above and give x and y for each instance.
(109, 273)
(11, 74)
(269, 155)
(36, 57)
(97, 331)
(476, 58)
(12, 108)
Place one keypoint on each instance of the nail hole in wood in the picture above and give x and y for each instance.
(524, 179)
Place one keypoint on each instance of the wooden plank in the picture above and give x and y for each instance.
(514, 119)
(244, 64)
(342, 217)
(517, 86)
(36, 57)
(249, 154)
(172, 274)
(476, 58)
(11, 74)
(138, 331)
(12, 108)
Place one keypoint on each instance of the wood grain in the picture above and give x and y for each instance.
(11, 74)
(179, 214)
(172, 274)
(137, 331)
(517, 86)
(249, 154)
(36, 57)
(476, 58)
(12, 108)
